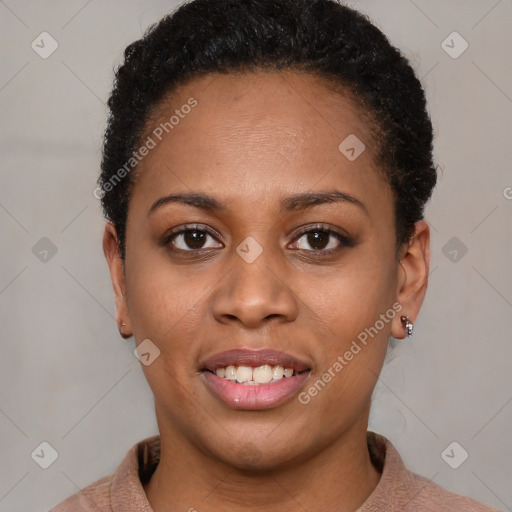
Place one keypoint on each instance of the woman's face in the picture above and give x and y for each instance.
(258, 271)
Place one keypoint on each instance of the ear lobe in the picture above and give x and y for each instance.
(115, 263)
(413, 277)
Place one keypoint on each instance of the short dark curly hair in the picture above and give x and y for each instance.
(320, 37)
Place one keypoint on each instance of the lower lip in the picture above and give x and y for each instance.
(260, 396)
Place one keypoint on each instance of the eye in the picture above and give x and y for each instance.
(318, 238)
(321, 239)
(192, 238)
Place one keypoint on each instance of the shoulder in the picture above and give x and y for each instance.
(122, 490)
(94, 497)
(402, 490)
(427, 496)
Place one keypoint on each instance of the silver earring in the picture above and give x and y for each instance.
(123, 334)
(408, 325)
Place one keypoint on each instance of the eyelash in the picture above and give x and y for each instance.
(344, 240)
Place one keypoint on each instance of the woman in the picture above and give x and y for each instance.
(265, 171)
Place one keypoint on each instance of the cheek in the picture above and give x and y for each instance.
(349, 356)
(159, 293)
(354, 313)
(164, 306)
(353, 297)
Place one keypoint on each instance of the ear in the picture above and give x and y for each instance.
(116, 267)
(413, 277)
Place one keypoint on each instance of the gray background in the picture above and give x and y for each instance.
(67, 378)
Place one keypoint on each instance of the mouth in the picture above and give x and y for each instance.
(254, 379)
(255, 376)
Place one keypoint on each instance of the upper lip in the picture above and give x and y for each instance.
(254, 358)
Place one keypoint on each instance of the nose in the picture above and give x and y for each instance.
(255, 293)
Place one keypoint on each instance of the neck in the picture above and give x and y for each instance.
(339, 477)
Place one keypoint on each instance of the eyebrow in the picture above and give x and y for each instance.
(295, 202)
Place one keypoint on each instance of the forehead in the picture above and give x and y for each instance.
(253, 135)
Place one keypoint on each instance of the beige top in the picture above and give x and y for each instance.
(399, 490)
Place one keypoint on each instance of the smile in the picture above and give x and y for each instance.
(252, 380)
(249, 376)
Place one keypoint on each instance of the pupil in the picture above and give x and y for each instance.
(194, 239)
(314, 237)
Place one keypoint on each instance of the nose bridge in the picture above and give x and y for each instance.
(255, 288)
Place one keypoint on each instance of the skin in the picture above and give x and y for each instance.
(252, 140)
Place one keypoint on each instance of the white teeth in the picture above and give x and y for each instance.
(277, 372)
(262, 374)
(230, 373)
(250, 376)
(243, 374)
